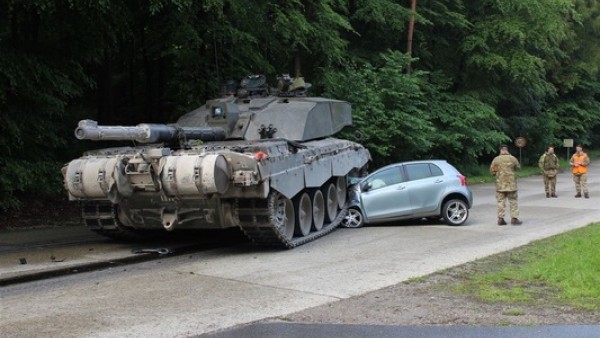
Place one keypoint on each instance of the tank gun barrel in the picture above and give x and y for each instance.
(146, 133)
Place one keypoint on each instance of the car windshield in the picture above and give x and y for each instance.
(354, 179)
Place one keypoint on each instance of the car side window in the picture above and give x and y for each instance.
(385, 178)
(435, 170)
(418, 171)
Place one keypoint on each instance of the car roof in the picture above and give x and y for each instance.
(439, 162)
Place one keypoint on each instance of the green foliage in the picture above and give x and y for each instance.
(466, 128)
(440, 27)
(508, 52)
(379, 25)
(403, 116)
(577, 108)
(576, 118)
(510, 44)
(38, 84)
(388, 105)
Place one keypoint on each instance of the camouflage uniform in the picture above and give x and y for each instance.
(549, 165)
(503, 167)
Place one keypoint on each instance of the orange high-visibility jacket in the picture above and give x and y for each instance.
(583, 160)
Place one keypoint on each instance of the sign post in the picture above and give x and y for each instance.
(520, 142)
(568, 143)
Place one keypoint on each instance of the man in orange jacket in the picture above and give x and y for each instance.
(579, 163)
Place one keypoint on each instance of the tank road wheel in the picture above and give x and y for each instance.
(341, 190)
(318, 209)
(282, 214)
(303, 209)
(331, 203)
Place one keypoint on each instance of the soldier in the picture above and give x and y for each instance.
(503, 167)
(579, 162)
(549, 165)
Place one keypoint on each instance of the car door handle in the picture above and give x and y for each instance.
(439, 181)
(402, 187)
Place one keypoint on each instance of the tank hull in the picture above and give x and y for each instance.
(244, 184)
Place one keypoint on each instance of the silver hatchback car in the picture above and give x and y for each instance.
(410, 190)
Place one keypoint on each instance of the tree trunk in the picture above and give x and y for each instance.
(411, 26)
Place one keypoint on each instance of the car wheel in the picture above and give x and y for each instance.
(455, 212)
(353, 219)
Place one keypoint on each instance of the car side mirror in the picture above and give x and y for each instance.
(366, 186)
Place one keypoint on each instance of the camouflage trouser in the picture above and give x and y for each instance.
(580, 183)
(549, 184)
(512, 196)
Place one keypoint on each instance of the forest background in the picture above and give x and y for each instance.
(474, 74)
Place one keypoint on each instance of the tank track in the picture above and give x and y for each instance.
(254, 216)
(256, 222)
(102, 219)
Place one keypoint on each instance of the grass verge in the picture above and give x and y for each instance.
(560, 270)
(481, 174)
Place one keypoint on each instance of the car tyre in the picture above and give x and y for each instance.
(455, 212)
(353, 219)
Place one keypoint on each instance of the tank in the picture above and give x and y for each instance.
(259, 159)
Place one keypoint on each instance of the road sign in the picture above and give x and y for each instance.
(568, 143)
(520, 142)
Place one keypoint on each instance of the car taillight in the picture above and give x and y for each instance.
(463, 180)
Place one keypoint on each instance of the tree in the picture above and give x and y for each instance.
(407, 116)
(43, 74)
(576, 108)
(508, 53)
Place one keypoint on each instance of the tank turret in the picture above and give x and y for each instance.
(254, 114)
(265, 162)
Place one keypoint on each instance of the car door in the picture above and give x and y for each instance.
(384, 195)
(425, 185)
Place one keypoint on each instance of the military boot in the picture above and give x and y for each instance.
(547, 195)
(501, 221)
(515, 221)
(553, 194)
(577, 195)
(586, 195)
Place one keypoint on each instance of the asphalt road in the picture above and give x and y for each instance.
(218, 289)
(294, 330)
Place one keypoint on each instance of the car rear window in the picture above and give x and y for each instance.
(419, 171)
